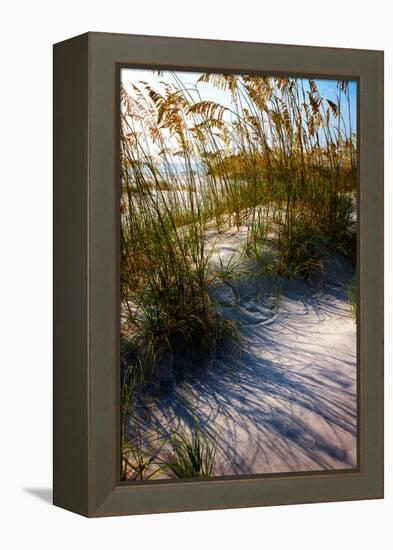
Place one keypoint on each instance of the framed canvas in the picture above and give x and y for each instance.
(218, 274)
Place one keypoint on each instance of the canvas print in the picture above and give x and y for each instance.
(238, 291)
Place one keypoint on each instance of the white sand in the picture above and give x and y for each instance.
(285, 401)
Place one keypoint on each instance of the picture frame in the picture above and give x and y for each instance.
(86, 392)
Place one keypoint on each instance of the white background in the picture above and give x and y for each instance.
(28, 30)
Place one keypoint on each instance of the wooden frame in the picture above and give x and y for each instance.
(86, 282)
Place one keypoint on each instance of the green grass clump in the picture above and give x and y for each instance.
(339, 228)
(188, 326)
(257, 235)
(165, 280)
(192, 454)
(300, 250)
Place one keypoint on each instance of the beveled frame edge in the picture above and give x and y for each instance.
(104, 496)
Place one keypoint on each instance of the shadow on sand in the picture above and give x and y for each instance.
(284, 401)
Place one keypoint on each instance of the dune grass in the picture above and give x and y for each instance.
(277, 158)
(192, 453)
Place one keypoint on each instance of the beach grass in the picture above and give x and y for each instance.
(277, 159)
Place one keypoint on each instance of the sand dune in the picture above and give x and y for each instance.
(285, 399)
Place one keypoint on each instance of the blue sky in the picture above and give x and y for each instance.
(328, 90)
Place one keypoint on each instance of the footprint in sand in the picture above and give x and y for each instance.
(255, 313)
